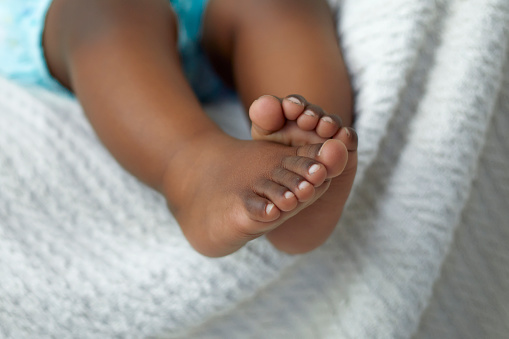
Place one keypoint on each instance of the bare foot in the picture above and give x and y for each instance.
(225, 192)
(293, 121)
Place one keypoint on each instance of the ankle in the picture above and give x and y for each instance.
(185, 157)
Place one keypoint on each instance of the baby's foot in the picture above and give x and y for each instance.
(294, 121)
(225, 192)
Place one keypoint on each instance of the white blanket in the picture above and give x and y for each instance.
(421, 251)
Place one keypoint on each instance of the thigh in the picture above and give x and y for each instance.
(224, 20)
(279, 47)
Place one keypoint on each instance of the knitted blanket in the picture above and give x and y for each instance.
(87, 251)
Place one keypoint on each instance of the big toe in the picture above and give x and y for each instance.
(333, 154)
(266, 114)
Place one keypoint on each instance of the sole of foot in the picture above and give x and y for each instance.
(225, 192)
(293, 121)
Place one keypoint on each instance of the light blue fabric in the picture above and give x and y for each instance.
(21, 54)
(22, 57)
(204, 81)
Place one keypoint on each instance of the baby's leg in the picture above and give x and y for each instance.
(281, 47)
(121, 60)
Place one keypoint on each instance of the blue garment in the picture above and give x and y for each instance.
(22, 57)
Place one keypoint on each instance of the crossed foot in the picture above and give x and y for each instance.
(290, 183)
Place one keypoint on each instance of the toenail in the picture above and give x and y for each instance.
(303, 185)
(313, 169)
(347, 132)
(269, 208)
(289, 195)
(328, 119)
(294, 100)
(320, 150)
(310, 113)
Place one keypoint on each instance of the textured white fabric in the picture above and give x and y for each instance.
(421, 251)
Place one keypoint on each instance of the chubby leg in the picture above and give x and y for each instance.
(120, 59)
(281, 47)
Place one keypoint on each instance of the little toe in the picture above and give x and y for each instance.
(259, 208)
(328, 126)
(298, 185)
(266, 114)
(349, 137)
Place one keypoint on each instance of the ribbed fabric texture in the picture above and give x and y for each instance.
(87, 251)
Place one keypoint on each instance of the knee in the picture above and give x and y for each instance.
(93, 18)
(70, 25)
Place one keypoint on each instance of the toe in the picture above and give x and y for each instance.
(266, 114)
(259, 208)
(333, 154)
(308, 120)
(349, 137)
(308, 168)
(293, 106)
(284, 199)
(328, 126)
(297, 184)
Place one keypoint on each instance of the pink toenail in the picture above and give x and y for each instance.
(328, 119)
(269, 208)
(310, 113)
(289, 195)
(294, 100)
(313, 169)
(303, 185)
